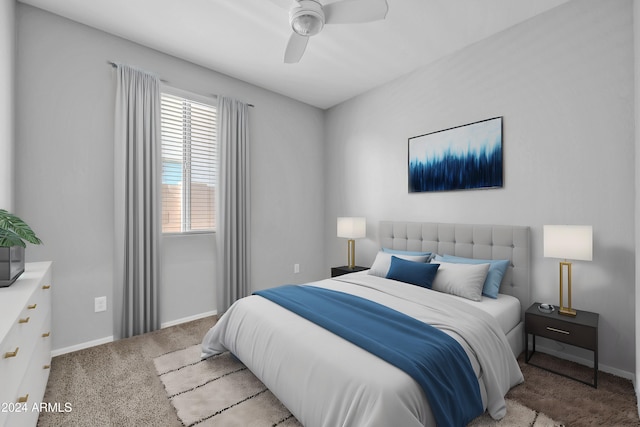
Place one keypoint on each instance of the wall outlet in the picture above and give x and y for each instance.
(296, 268)
(100, 304)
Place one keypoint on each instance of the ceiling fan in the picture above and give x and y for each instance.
(308, 17)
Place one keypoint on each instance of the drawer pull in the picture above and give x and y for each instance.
(32, 306)
(558, 330)
(46, 367)
(45, 287)
(9, 354)
(24, 320)
(23, 399)
(46, 334)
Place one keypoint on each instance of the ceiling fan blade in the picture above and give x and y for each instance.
(355, 11)
(286, 4)
(295, 48)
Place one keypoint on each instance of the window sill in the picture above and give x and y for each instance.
(188, 233)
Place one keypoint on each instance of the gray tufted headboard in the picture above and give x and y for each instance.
(471, 241)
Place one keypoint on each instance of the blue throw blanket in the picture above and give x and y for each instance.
(434, 359)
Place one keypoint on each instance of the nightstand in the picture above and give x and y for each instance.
(580, 331)
(339, 271)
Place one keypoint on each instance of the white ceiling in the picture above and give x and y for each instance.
(246, 38)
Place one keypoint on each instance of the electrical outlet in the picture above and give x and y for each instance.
(296, 268)
(100, 304)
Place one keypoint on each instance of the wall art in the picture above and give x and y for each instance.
(460, 158)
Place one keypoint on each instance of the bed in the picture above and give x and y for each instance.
(325, 380)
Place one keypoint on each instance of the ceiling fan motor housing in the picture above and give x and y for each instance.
(306, 17)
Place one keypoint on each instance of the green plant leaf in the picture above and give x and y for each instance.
(9, 238)
(14, 231)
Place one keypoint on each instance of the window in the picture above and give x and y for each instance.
(188, 164)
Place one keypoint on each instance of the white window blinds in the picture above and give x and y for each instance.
(188, 165)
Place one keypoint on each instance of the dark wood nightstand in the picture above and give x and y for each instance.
(339, 271)
(580, 331)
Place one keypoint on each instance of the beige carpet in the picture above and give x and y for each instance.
(221, 391)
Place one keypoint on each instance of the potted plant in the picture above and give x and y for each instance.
(14, 236)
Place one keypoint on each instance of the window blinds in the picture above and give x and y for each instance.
(188, 164)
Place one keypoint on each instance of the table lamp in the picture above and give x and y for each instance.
(568, 242)
(352, 228)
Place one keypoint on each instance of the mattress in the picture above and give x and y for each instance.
(505, 309)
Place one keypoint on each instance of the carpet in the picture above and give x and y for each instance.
(221, 391)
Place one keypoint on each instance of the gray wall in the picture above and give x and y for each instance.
(64, 175)
(636, 44)
(7, 117)
(563, 81)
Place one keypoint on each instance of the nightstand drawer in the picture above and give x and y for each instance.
(563, 331)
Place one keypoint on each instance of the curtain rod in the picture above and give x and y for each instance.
(114, 65)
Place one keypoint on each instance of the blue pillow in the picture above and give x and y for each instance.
(409, 253)
(497, 268)
(414, 273)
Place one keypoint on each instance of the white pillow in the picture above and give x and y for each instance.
(382, 262)
(464, 280)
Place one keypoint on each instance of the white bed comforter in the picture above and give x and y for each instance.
(325, 380)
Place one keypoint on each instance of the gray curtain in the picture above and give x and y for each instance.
(137, 202)
(233, 208)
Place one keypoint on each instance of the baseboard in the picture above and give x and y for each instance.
(604, 368)
(81, 346)
(188, 319)
(105, 340)
(637, 397)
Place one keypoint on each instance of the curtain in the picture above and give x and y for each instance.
(233, 208)
(137, 202)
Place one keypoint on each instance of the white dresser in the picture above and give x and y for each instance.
(25, 345)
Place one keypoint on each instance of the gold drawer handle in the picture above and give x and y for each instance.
(24, 320)
(558, 330)
(45, 287)
(23, 399)
(9, 354)
(32, 306)
(46, 334)
(46, 367)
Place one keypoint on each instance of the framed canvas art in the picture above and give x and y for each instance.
(460, 158)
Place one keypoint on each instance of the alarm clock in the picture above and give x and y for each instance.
(546, 308)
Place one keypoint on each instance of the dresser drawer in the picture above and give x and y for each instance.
(15, 351)
(39, 303)
(24, 417)
(562, 331)
(14, 359)
(29, 325)
(32, 387)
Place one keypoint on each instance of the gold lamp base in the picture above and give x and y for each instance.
(566, 311)
(351, 253)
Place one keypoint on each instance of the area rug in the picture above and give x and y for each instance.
(221, 391)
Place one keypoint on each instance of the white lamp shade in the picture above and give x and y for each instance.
(352, 227)
(574, 242)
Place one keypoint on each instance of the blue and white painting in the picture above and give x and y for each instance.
(459, 158)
